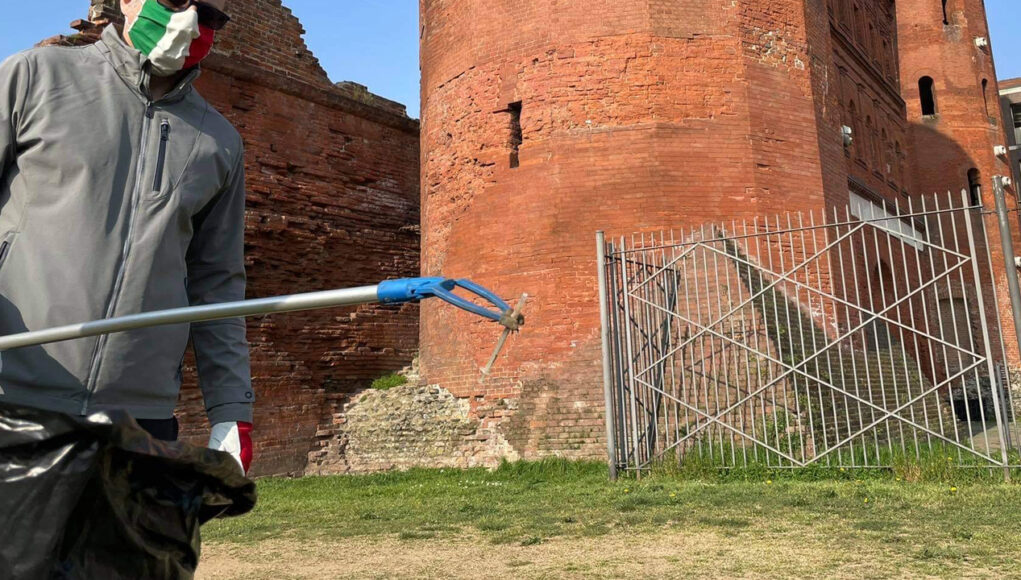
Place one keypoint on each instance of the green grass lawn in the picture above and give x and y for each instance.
(967, 521)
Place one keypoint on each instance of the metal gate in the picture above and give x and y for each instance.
(859, 338)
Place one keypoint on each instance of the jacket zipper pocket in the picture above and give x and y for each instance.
(4, 247)
(157, 183)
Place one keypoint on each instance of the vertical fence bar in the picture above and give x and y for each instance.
(642, 332)
(738, 392)
(900, 319)
(752, 384)
(806, 269)
(828, 343)
(872, 310)
(622, 393)
(779, 293)
(953, 314)
(860, 302)
(687, 353)
(768, 328)
(703, 375)
(1008, 404)
(854, 379)
(629, 343)
(672, 360)
(604, 316)
(985, 338)
(717, 234)
(1011, 267)
(927, 344)
(707, 361)
(971, 240)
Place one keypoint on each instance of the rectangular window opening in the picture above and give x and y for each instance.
(927, 92)
(985, 95)
(516, 135)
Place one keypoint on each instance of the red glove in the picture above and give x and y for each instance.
(236, 439)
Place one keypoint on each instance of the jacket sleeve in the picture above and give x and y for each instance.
(14, 80)
(216, 274)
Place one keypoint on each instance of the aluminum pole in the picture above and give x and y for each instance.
(604, 314)
(293, 303)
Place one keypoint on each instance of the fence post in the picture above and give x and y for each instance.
(1013, 285)
(1002, 425)
(604, 314)
(1008, 255)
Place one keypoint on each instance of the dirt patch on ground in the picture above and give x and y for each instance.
(670, 554)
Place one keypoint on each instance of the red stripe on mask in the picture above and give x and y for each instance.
(200, 47)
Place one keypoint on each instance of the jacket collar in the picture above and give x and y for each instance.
(134, 69)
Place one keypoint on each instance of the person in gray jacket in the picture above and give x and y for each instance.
(122, 191)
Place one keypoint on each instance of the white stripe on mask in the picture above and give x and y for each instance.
(172, 50)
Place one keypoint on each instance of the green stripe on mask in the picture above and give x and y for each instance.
(150, 26)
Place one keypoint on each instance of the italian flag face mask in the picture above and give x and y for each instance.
(173, 41)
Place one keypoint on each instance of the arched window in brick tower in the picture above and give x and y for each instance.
(975, 186)
(946, 20)
(927, 94)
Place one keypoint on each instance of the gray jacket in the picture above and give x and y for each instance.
(112, 205)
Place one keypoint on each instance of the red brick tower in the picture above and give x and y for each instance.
(545, 120)
(949, 82)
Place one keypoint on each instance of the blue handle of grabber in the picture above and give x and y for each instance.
(415, 289)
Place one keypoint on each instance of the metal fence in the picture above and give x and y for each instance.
(856, 337)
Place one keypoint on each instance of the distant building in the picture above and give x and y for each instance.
(1010, 103)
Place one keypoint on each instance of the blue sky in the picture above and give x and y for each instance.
(375, 42)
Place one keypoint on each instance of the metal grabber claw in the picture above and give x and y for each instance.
(511, 319)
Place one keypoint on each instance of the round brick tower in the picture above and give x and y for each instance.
(546, 120)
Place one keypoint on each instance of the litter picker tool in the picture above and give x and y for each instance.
(389, 292)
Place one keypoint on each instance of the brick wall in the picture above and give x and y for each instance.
(868, 94)
(332, 202)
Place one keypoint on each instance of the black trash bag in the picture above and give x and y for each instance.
(97, 497)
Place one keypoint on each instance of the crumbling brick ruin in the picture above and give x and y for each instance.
(543, 121)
